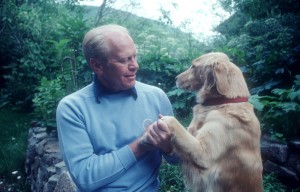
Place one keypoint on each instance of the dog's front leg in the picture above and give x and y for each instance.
(184, 144)
(194, 126)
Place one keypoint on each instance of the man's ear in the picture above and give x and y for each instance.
(96, 66)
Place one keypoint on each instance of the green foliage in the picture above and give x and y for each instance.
(161, 70)
(49, 92)
(13, 144)
(171, 178)
(160, 63)
(279, 111)
(41, 57)
(182, 101)
(26, 58)
(158, 69)
(25, 53)
(271, 184)
(267, 34)
(263, 38)
(69, 69)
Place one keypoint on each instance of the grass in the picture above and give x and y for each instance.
(171, 178)
(13, 144)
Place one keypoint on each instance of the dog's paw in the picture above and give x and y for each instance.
(170, 121)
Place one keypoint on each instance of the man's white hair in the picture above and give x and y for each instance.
(95, 44)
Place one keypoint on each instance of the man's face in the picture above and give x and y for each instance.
(120, 71)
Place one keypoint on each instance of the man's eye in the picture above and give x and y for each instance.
(126, 60)
(122, 60)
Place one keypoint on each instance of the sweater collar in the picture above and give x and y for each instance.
(100, 90)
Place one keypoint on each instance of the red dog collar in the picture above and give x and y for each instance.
(222, 100)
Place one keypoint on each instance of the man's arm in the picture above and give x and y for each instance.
(88, 169)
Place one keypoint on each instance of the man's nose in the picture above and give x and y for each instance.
(133, 64)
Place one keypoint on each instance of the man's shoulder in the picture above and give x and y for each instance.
(81, 94)
(143, 87)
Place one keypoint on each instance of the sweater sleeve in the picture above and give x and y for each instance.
(89, 171)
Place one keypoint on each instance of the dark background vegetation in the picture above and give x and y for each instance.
(41, 61)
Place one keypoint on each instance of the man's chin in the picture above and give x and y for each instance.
(132, 84)
(129, 85)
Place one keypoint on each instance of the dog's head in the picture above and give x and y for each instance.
(213, 75)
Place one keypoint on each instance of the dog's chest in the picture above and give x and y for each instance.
(197, 178)
(200, 114)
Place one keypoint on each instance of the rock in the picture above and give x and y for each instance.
(287, 176)
(30, 152)
(40, 136)
(295, 144)
(51, 183)
(293, 162)
(39, 129)
(44, 165)
(276, 152)
(51, 170)
(52, 147)
(39, 147)
(60, 167)
(51, 159)
(65, 183)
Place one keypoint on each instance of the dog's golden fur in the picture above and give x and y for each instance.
(220, 151)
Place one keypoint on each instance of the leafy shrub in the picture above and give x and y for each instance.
(182, 101)
(279, 112)
(160, 69)
(271, 184)
(26, 64)
(49, 92)
(67, 68)
(27, 57)
(171, 178)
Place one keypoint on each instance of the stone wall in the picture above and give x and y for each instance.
(47, 172)
(44, 166)
(283, 159)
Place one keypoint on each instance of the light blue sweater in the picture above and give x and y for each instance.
(94, 137)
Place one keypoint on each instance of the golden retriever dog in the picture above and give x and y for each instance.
(220, 150)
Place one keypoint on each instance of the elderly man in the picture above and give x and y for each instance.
(101, 126)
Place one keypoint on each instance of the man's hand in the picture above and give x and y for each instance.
(156, 135)
(159, 135)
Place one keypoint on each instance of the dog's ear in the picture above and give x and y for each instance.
(220, 73)
(209, 81)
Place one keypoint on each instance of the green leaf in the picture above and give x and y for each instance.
(255, 101)
(176, 92)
